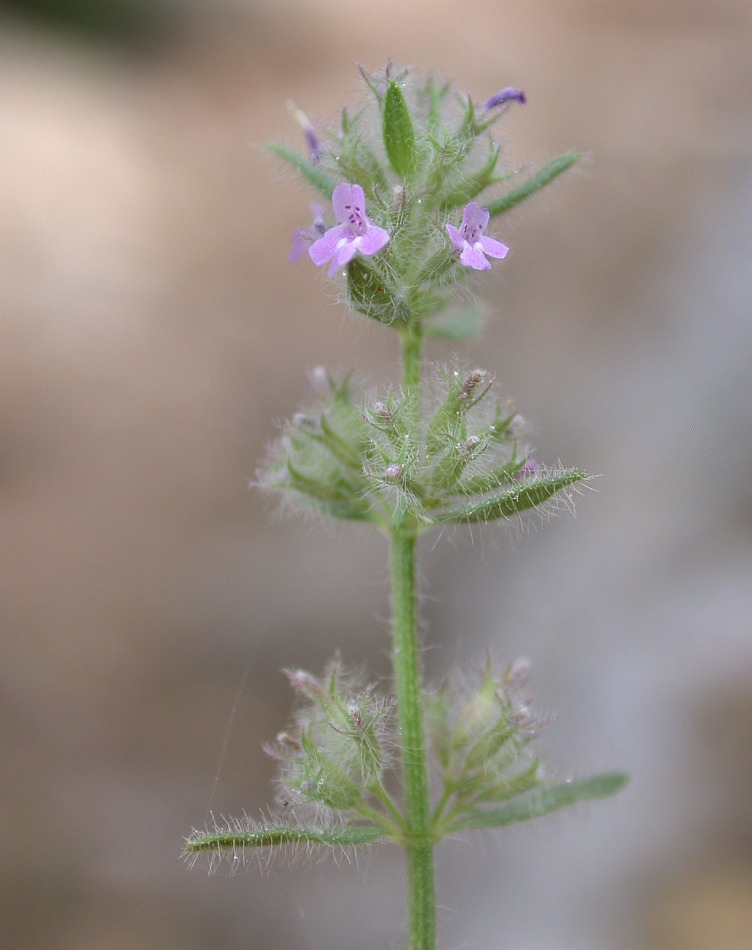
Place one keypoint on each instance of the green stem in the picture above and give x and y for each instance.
(418, 836)
(412, 342)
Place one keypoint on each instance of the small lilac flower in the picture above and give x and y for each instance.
(393, 472)
(529, 470)
(302, 238)
(354, 234)
(314, 143)
(471, 240)
(510, 94)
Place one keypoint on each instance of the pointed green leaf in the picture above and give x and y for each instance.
(488, 481)
(542, 801)
(471, 185)
(399, 135)
(337, 498)
(330, 491)
(338, 446)
(510, 501)
(276, 836)
(535, 182)
(312, 173)
(357, 162)
(448, 422)
(511, 787)
(437, 95)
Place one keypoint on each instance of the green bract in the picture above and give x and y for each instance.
(399, 135)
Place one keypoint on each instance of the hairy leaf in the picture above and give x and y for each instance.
(542, 801)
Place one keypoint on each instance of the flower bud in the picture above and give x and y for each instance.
(529, 470)
(472, 381)
(320, 381)
(471, 444)
(382, 413)
(301, 421)
(304, 683)
(290, 742)
(312, 140)
(505, 96)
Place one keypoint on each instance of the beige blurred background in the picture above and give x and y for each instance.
(151, 336)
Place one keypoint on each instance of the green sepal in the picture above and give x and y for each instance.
(338, 836)
(437, 94)
(466, 128)
(378, 94)
(535, 182)
(448, 422)
(360, 731)
(357, 162)
(339, 447)
(324, 780)
(469, 187)
(312, 173)
(541, 801)
(512, 787)
(510, 501)
(438, 268)
(484, 482)
(315, 488)
(369, 293)
(337, 500)
(483, 751)
(399, 135)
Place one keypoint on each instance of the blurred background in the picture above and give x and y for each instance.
(152, 335)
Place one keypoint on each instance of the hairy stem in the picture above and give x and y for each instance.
(418, 837)
(412, 342)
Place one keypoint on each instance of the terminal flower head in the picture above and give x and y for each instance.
(472, 242)
(355, 233)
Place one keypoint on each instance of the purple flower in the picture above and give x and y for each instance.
(471, 240)
(354, 234)
(314, 143)
(510, 94)
(530, 469)
(302, 238)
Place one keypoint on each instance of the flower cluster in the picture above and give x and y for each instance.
(340, 745)
(377, 461)
(483, 743)
(402, 174)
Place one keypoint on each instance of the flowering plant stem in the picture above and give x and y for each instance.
(418, 834)
(397, 176)
(407, 679)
